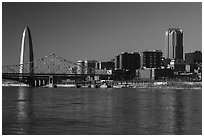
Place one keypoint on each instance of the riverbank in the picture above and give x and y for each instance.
(171, 85)
(14, 85)
(160, 85)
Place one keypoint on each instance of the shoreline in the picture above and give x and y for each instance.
(154, 85)
(173, 85)
(169, 87)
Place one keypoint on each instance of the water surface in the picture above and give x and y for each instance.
(100, 111)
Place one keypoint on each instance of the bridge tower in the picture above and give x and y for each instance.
(31, 58)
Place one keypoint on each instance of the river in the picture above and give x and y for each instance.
(84, 111)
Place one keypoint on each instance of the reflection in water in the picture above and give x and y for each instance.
(187, 108)
(165, 111)
(24, 110)
(101, 111)
(179, 113)
(156, 116)
(94, 108)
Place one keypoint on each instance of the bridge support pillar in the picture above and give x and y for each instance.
(39, 82)
(51, 82)
(43, 82)
(35, 83)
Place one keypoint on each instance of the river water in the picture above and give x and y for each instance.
(71, 111)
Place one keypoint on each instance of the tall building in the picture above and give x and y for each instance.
(90, 66)
(117, 61)
(193, 57)
(127, 61)
(174, 44)
(108, 65)
(86, 67)
(151, 59)
(194, 61)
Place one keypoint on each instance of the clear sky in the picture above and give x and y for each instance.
(99, 31)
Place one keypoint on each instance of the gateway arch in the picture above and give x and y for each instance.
(31, 58)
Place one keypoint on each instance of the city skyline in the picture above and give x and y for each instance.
(98, 31)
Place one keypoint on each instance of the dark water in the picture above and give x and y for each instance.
(101, 111)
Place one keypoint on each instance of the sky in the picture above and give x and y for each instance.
(96, 31)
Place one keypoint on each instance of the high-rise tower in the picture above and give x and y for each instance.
(174, 44)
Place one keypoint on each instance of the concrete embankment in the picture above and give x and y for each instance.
(163, 85)
(175, 85)
(14, 85)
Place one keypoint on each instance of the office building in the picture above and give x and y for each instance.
(193, 57)
(154, 74)
(174, 44)
(193, 60)
(127, 61)
(178, 65)
(151, 59)
(117, 61)
(86, 67)
(90, 66)
(108, 65)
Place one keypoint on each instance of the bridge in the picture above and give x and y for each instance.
(48, 70)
